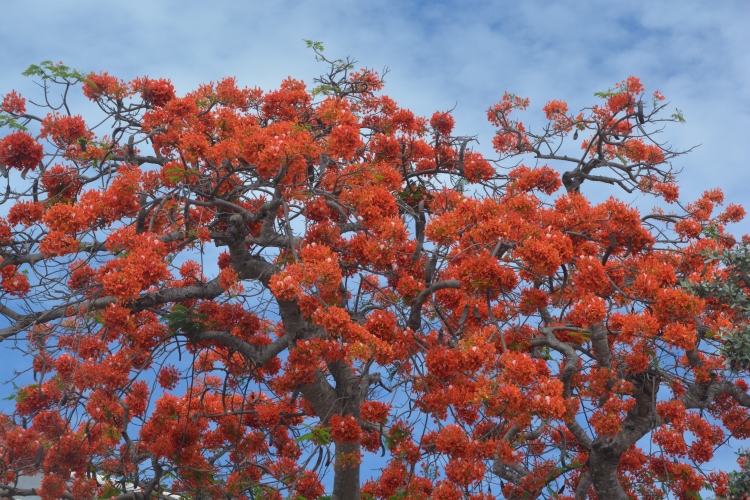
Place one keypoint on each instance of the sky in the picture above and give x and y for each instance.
(442, 54)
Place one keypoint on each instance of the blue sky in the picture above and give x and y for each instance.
(441, 55)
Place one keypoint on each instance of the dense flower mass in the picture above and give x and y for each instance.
(156, 92)
(13, 103)
(20, 151)
(105, 86)
(381, 287)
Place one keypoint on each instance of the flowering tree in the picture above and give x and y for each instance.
(380, 288)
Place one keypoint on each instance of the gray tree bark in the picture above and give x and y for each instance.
(346, 479)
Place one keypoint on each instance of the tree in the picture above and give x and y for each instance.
(380, 288)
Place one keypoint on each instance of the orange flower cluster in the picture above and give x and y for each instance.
(61, 182)
(20, 151)
(26, 213)
(13, 103)
(543, 178)
(65, 131)
(344, 429)
(156, 92)
(14, 282)
(512, 320)
(105, 86)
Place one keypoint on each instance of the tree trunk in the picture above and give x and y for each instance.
(346, 472)
(603, 463)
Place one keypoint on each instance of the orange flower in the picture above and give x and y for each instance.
(103, 85)
(13, 103)
(542, 178)
(61, 181)
(20, 151)
(555, 108)
(344, 429)
(442, 122)
(14, 282)
(590, 310)
(64, 130)
(169, 377)
(26, 213)
(156, 92)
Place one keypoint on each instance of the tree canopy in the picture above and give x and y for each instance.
(239, 294)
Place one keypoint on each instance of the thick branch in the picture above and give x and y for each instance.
(600, 346)
(415, 317)
(259, 355)
(209, 290)
(700, 396)
(570, 357)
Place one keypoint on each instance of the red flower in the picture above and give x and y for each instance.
(345, 429)
(14, 282)
(65, 130)
(26, 213)
(668, 190)
(542, 178)
(169, 377)
(555, 109)
(20, 150)
(156, 92)
(442, 123)
(13, 103)
(61, 181)
(102, 85)
(308, 486)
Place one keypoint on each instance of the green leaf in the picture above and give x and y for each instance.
(185, 319)
(316, 46)
(33, 70)
(325, 89)
(15, 392)
(47, 70)
(609, 93)
(711, 231)
(23, 393)
(677, 115)
(305, 437)
(321, 436)
(8, 121)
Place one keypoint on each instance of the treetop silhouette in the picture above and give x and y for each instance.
(380, 287)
